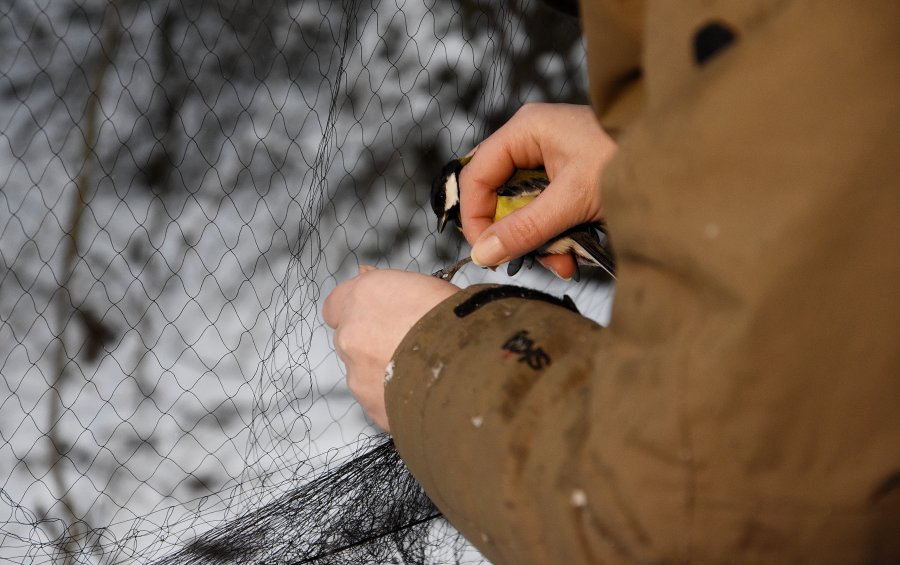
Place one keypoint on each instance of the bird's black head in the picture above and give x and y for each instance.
(445, 194)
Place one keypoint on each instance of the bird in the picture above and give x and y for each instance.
(588, 243)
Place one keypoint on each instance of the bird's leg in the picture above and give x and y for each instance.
(447, 273)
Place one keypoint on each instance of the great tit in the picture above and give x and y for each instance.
(588, 242)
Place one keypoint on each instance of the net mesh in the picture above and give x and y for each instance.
(182, 184)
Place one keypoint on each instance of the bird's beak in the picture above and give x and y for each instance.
(442, 221)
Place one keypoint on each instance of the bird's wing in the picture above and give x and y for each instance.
(589, 247)
(525, 181)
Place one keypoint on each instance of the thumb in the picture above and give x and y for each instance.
(527, 228)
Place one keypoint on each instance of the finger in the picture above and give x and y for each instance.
(563, 266)
(336, 303)
(366, 269)
(478, 181)
(529, 227)
(512, 146)
(339, 341)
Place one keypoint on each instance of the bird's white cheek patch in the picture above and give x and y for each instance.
(452, 192)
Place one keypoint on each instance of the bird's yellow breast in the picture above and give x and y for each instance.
(506, 205)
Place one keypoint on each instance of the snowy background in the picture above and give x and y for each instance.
(181, 185)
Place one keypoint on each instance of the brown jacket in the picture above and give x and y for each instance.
(744, 404)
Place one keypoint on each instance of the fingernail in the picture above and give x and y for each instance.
(552, 270)
(488, 251)
(470, 153)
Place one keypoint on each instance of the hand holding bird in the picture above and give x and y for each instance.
(513, 167)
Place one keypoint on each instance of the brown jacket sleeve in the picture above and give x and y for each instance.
(744, 404)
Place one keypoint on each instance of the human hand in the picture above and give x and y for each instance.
(371, 313)
(569, 143)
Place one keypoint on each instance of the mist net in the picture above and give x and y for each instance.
(182, 183)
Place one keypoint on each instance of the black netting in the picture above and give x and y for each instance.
(181, 184)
